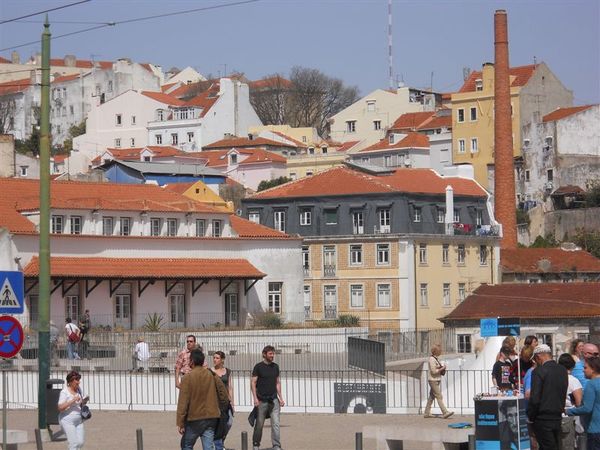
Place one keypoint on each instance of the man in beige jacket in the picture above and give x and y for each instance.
(435, 373)
(201, 397)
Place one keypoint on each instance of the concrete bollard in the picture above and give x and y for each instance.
(139, 439)
(39, 445)
(359, 441)
(244, 440)
(471, 442)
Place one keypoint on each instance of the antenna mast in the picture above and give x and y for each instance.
(390, 62)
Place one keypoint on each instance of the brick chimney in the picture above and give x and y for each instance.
(504, 176)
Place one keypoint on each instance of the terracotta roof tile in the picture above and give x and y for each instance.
(530, 301)
(526, 260)
(164, 98)
(428, 181)
(289, 138)
(411, 121)
(345, 146)
(165, 87)
(218, 158)
(246, 229)
(270, 82)
(60, 158)
(65, 78)
(437, 122)
(561, 113)
(15, 86)
(5, 61)
(238, 142)
(522, 75)
(411, 140)
(82, 63)
(132, 268)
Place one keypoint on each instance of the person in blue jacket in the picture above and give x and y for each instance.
(591, 402)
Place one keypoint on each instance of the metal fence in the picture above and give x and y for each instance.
(303, 390)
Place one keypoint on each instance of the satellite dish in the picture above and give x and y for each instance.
(544, 264)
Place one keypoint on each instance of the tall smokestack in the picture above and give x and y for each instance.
(504, 178)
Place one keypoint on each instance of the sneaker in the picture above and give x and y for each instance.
(428, 416)
(448, 414)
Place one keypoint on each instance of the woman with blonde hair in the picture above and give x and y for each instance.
(434, 376)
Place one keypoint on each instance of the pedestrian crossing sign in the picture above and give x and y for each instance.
(11, 293)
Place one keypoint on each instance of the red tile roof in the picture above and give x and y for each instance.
(82, 63)
(411, 121)
(522, 75)
(411, 140)
(133, 154)
(526, 260)
(270, 82)
(164, 98)
(180, 188)
(530, 301)
(218, 158)
(192, 89)
(246, 229)
(561, 113)
(238, 142)
(5, 61)
(66, 78)
(166, 87)
(345, 146)
(289, 138)
(59, 159)
(132, 268)
(437, 122)
(15, 86)
(205, 100)
(428, 181)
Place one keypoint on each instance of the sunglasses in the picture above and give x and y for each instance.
(191, 342)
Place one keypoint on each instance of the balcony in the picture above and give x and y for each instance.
(330, 312)
(329, 270)
(465, 229)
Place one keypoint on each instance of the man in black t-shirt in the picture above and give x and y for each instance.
(266, 392)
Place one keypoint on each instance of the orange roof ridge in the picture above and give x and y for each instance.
(562, 112)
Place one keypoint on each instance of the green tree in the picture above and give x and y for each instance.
(545, 242)
(74, 131)
(592, 195)
(31, 145)
(589, 241)
(267, 184)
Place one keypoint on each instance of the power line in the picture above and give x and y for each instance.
(139, 19)
(45, 11)
(69, 22)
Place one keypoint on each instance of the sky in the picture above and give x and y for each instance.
(346, 39)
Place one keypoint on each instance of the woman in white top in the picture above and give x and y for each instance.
(69, 407)
(434, 377)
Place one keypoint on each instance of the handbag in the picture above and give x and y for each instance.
(221, 425)
(86, 412)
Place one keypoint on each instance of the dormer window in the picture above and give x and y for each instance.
(160, 115)
(324, 150)
(391, 138)
(233, 159)
(311, 150)
(479, 84)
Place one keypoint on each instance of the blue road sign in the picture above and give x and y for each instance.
(12, 293)
(11, 336)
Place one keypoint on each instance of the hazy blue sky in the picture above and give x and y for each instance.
(346, 39)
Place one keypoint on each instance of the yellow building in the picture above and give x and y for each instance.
(535, 91)
(304, 135)
(200, 192)
(318, 157)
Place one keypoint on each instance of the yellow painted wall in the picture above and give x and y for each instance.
(202, 193)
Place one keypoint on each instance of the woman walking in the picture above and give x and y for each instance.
(225, 374)
(70, 402)
(435, 373)
(591, 402)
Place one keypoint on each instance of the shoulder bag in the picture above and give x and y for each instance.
(86, 413)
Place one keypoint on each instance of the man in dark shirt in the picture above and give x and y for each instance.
(549, 383)
(266, 392)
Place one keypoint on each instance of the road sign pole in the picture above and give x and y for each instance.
(44, 254)
(4, 394)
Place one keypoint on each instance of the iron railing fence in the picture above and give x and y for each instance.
(406, 391)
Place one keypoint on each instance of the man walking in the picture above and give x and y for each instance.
(182, 365)
(73, 335)
(549, 383)
(85, 323)
(202, 395)
(589, 350)
(266, 392)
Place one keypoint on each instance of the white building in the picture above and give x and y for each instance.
(127, 251)
(369, 118)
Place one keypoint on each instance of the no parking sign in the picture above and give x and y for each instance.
(11, 334)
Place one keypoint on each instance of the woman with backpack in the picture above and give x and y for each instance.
(73, 334)
(224, 374)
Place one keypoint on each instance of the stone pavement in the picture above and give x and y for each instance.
(116, 430)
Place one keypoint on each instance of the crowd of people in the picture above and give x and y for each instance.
(553, 390)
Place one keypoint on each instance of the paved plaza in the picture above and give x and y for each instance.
(116, 430)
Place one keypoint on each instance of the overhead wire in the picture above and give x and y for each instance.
(44, 11)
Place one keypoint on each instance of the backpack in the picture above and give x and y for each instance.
(73, 336)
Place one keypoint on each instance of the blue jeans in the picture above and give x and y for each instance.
(219, 442)
(593, 441)
(267, 409)
(203, 429)
(71, 350)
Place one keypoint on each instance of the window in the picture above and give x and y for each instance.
(416, 214)
(293, 175)
(233, 159)
(200, 227)
(384, 220)
(307, 301)
(117, 142)
(423, 289)
(190, 136)
(71, 110)
(383, 254)
(357, 296)
(391, 138)
(118, 120)
(479, 84)
(388, 160)
(305, 259)
(329, 260)
(473, 114)
(324, 150)
(479, 217)
(364, 160)
(464, 343)
(125, 226)
(72, 306)
(160, 115)
(75, 223)
(147, 158)
(158, 139)
(461, 115)
(356, 254)
(177, 305)
(174, 139)
(309, 173)
(377, 124)
(330, 216)
(254, 216)
(110, 86)
(279, 217)
(133, 120)
(446, 254)
(550, 175)
(446, 294)
(57, 224)
(422, 253)
(462, 292)
(216, 228)
(311, 150)
(383, 296)
(456, 216)
(123, 304)
(330, 303)
(527, 176)
(483, 255)
(172, 225)
(441, 215)
(351, 126)
(108, 226)
(461, 146)
(358, 222)
(275, 290)
(461, 253)
(370, 105)
(305, 216)
(24, 170)
(474, 146)
(132, 142)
